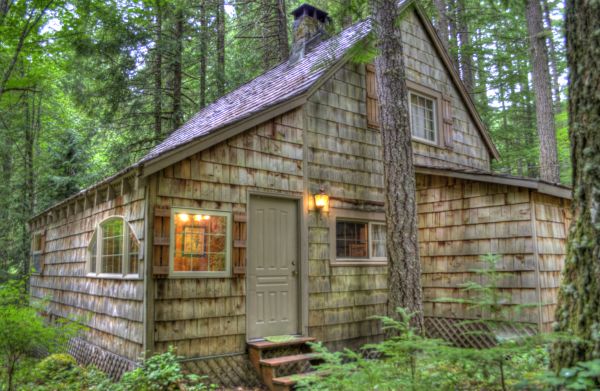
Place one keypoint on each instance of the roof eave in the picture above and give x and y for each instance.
(219, 135)
(555, 190)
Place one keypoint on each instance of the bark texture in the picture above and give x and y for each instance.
(578, 312)
(203, 53)
(552, 54)
(220, 48)
(549, 169)
(441, 24)
(282, 35)
(404, 268)
(158, 71)
(464, 42)
(177, 116)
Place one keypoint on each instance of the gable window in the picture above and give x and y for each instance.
(37, 251)
(423, 117)
(200, 243)
(357, 237)
(113, 249)
(430, 111)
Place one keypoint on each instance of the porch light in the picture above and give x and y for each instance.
(321, 200)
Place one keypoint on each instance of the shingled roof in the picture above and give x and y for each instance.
(277, 85)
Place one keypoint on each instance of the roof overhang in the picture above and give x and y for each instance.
(555, 190)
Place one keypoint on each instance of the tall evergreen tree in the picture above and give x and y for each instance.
(404, 268)
(578, 312)
(549, 168)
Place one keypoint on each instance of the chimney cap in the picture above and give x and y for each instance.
(309, 10)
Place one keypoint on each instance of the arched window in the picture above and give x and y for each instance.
(113, 249)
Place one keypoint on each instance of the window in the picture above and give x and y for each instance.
(431, 114)
(37, 250)
(357, 237)
(200, 243)
(423, 118)
(113, 249)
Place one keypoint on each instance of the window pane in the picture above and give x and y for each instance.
(112, 246)
(36, 262)
(37, 243)
(93, 256)
(378, 241)
(422, 117)
(134, 247)
(351, 239)
(200, 242)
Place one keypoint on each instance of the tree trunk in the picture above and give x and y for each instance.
(441, 24)
(549, 169)
(464, 43)
(31, 129)
(177, 116)
(404, 268)
(552, 53)
(578, 313)
(158, 71)
(282, 35)
(203, 52)
(453, 30)
(220, 48)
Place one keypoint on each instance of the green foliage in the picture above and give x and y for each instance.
(61, 371)
(160, 373)
(23, 332)
(410, 361)
(584, 376)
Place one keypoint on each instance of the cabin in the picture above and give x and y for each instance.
(263, 216)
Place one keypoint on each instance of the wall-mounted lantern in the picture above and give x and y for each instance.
(322, 200)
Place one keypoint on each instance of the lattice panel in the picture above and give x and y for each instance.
(87, 353)
(227, 371)
(471, 334)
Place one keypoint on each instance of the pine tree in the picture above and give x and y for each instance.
(549, 168)
(578, 313)
(404, 268)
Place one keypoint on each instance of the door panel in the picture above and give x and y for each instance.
(272, 300)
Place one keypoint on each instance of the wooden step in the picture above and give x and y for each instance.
(270, 367)
(264, 345)
(286, 383)
(278, 361)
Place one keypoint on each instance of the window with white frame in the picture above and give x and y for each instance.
(200, 243)
(423, 117)
(360, 240)
(113, 249)
(37, 251)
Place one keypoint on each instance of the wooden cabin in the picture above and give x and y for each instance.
(213, 241)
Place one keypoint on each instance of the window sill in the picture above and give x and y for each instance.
(358, 262)
(426, 142)
(225, 274)
(106, 276)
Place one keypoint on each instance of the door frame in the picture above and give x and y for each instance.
(302, 243)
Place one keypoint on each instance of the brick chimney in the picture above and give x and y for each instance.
(310, 28)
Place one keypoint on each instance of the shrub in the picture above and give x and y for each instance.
(160, 373)
(23, 332)
(410, 361)
(61, 372)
